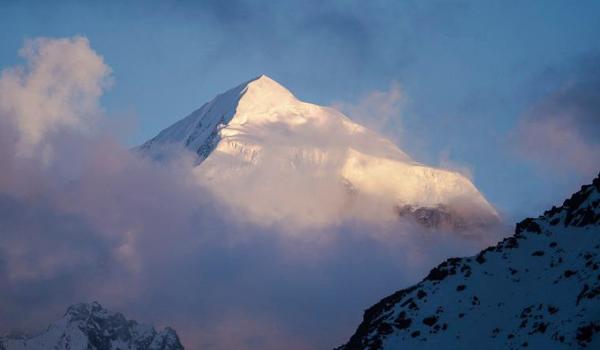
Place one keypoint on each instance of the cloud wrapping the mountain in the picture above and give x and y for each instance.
(382, 111)
(92, 221)
(378, 110)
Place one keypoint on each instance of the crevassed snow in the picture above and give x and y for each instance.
(258, 140)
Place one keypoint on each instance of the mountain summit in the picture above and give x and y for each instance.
(201, 130)
(275, 158)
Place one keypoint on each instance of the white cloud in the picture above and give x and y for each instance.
(58, 87)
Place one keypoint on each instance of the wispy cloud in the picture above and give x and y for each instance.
(379, 110)
(562, 131)
(383, 111)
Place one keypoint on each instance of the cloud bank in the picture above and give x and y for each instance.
(82, 218)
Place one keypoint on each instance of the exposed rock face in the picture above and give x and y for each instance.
(539, 288)
(91, 327)
(441, 217)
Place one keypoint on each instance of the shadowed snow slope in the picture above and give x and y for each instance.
(538, 289)
(90, 326)
(275, 158)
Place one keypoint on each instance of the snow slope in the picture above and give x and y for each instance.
(538, 289)
(91, 327)
(258, 147)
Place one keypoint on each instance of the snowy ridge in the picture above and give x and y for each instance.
(200, 130)
(538, 289)
(260, 133)
(91, 327)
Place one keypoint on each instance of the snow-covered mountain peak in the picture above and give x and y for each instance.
(264, 103)
(266, 91)
(254, 102)
(91, 326)
(252, 140)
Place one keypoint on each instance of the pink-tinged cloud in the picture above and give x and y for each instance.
(379, 110)
(562, 132)
(58, 87)
(557, 143)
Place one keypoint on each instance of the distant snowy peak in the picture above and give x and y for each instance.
(90, 326)
(538, 289)
(259, 131)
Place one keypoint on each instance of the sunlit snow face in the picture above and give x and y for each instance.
(276, 160)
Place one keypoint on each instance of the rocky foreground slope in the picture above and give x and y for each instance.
(538, 289)
(92, 327)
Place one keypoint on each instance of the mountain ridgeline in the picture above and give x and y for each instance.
(92, 327)
(538, 289)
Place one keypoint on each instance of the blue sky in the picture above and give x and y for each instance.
(471, 71)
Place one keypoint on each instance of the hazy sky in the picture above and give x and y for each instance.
(506, 91)
(469, 70)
